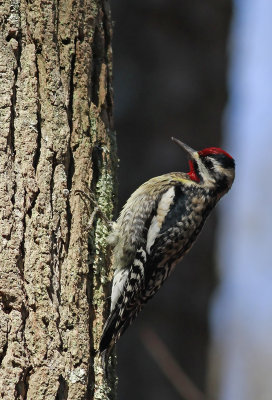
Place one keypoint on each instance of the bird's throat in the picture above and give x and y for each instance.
(192, 173)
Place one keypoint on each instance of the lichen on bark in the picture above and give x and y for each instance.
(57, 154)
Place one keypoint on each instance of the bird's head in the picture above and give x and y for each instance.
(212, 166)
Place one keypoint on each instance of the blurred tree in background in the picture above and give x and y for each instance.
(170, 80)
(242, 310)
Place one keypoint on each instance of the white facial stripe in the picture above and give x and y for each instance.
(204, 173)
(225, 171)
(220, 169)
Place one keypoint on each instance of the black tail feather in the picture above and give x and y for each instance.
(105, 360)
(107, 341)
(107, 338)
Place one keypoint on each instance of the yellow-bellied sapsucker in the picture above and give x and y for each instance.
(156, 228)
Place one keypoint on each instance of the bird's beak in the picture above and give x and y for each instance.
(192, 153)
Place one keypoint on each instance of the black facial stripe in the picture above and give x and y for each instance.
(222, 159)
(208, 163)
(222, 184)
(197, 170)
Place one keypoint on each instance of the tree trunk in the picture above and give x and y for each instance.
(57, 155)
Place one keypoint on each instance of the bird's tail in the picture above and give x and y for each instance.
(104, 355)
(108, 340)
(126, 309)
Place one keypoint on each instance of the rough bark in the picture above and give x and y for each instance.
(55, 138)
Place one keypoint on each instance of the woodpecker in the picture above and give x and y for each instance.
(156, 228)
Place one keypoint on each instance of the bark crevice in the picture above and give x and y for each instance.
(70, 169)
(62, 393)
(98, 56)
(21, 387)
(4, 348)
(37, 128)
(71, 85)
(107, 28)
(10, 138)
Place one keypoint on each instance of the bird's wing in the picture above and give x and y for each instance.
(130, 230)
(174, 224)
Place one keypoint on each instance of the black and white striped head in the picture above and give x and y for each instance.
(212, 166)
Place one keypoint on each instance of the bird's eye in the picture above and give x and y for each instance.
(208, 164)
